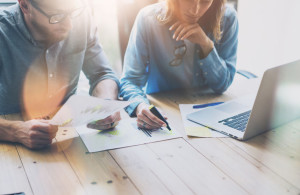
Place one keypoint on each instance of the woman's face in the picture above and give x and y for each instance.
(191, 11)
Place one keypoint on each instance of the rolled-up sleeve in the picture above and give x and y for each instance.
(96, 66)
(136, 61)
(218, 67)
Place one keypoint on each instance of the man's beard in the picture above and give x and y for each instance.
(48, 37)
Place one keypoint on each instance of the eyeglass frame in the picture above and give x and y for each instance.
(35, 5)
(178, 56)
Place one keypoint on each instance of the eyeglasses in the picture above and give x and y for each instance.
(56, 18)
(179, 53)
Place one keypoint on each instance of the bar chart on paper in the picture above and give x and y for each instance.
(125, 134)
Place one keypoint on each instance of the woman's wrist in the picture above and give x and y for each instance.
(206, 48)
(140, 107)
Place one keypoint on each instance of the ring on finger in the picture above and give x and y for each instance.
(144, 124)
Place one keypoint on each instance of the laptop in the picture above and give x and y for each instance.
(276, 103)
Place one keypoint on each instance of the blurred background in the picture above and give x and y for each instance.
(269, 31)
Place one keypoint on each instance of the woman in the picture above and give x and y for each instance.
(178, 44)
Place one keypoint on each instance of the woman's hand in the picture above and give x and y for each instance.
(194, 33)
(147, 120)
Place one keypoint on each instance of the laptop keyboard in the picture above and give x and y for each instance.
(238, 122)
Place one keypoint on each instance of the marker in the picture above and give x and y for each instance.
(156, 113)
(207, 105)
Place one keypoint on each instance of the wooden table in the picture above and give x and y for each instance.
(266, 164)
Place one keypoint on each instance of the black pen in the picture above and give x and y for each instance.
(156, 113)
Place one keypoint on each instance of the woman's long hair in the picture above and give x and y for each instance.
(210, 21)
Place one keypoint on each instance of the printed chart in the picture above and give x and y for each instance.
(125, 134)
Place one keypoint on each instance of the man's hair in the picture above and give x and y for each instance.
(210, 21)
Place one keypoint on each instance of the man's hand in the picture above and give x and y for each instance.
(194, 33)
(34, 134)
(107, 123)
(146, 119)
(106, 89)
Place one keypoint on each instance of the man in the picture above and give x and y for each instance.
(44, 46)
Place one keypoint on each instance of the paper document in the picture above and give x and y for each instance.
(194, 129)
(81, 110)
(125, 134)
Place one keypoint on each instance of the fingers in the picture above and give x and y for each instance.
(107, 123)
(36, 142)
(42, 130)
(144, 119)
(36, 134)
(187, 34)
(110, 119)
(44, 126)
(174, 26)
(191, 29)
(177, 31)
(143, 125)
(148, 120)
(101, 127)
(183, 30)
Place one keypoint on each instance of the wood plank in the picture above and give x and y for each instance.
(12, 178)
(194, 169)
(148, 172)
(48, 170)
(97, 172)
(274, 151)
(246, 171)
(285, 136)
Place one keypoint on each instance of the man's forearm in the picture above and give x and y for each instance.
(6, 130)
(106, 89)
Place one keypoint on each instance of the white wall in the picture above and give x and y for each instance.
(269, 33)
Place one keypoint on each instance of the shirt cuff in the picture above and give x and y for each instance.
(210, 65)
(131, 109)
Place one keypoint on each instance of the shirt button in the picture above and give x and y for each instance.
(205, 73)
(201, 64)
(51, 75)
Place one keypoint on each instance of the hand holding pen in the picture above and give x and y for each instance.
(147, 120)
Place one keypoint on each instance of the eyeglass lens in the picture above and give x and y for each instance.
(60, 17)
(179, 52)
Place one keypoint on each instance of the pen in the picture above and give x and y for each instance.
(207, 105)
(156, 113)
